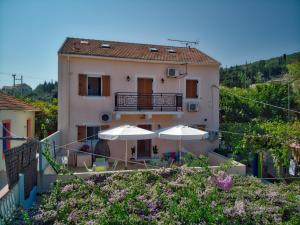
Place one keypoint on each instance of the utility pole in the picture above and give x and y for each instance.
(14, 83)
(14, 77)
(21, 85)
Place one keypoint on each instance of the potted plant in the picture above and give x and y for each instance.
(155, 150)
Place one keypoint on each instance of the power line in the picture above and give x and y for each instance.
(26, 76)
(264, 103)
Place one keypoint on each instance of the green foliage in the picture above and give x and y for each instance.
(57, 167)
(26, 218)
(46, 119)
(272, 137)
(236, 104)
(168, 196)
(257, 72)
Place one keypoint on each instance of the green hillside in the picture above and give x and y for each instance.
(257, 72)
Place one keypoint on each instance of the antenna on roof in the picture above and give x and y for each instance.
(187, 43)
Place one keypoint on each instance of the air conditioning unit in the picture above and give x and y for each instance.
(106, 117)
(172, 72)
(192, 106)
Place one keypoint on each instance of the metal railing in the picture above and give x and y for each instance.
(133, 101)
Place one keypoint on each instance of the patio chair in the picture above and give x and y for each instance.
(100, 164)
(87, 169)
(114, 166)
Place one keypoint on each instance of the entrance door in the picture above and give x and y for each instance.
(144, 146)
(145, 93)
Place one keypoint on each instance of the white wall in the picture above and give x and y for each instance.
(18, 123)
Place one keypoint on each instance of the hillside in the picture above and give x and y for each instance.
(257, 72)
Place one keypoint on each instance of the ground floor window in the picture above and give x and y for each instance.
(92, 132)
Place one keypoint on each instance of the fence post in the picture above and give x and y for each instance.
(21, 189)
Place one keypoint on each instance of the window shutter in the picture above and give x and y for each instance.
(82, 83)
(105, 85)
(191, 89)
(81, 133)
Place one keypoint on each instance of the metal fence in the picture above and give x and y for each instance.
(8, 203)
(22, 159)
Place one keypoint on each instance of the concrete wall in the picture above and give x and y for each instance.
(215, 160)
(18, 121)
(77, 110)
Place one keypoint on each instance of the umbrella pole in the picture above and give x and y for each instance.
(126, 156)
(179, 151)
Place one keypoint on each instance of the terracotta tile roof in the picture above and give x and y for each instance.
(77, 46)
(11, 103)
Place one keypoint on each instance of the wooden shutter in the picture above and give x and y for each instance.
(105, 85)
(191, 89)
(82, 84)
(81, 133)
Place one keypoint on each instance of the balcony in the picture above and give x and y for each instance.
(156, 103)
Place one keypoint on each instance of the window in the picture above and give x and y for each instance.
(191, 89)
(105, 45)
(89, 132)
(29, 128)
(171, 51)
(153, 49)
(92, 133)
(94, 86)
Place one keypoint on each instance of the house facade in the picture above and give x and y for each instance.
(16, 117)
(104, 84)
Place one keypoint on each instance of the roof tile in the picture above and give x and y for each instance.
(135, 51)
(11, 103)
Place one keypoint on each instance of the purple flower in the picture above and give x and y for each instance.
(222, 180)
(68, 188)
(237, 210)
(73, 217)
(118, 195)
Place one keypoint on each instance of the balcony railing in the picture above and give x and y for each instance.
(133, 101)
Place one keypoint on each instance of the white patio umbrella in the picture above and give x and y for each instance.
(182, 132)
(127, 132)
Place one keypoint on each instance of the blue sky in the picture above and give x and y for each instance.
(232, 31)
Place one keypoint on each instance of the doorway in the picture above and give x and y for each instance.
(144, 88)
(144, 146)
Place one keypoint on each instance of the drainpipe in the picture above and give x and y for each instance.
(69, 104)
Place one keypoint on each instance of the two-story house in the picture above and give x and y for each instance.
(105, 84)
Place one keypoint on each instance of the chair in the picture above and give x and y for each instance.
(100, 164)
(114, 166)
(87, 169)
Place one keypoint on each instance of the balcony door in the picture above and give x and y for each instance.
(144, 146)
(145, 91)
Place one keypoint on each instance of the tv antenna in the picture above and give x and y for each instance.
(187, 43)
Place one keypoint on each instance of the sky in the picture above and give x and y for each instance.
(231, 31)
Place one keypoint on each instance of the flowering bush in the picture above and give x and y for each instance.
(170, 196)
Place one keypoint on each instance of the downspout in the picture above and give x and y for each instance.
(69, 104)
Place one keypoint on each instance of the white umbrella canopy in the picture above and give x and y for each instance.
(126, 132)
(182, 132)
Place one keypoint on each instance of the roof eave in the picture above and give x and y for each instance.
(137, 60)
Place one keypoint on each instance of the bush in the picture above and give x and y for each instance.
(168, 196)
